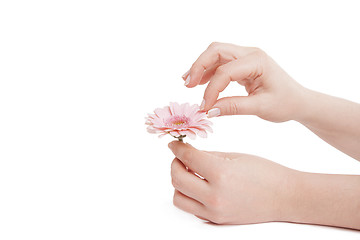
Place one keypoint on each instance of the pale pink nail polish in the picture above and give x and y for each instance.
(215, 112)
(185, 74)
(202, 106)
(187, 81)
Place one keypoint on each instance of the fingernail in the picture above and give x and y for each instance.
(187, 81)
(213, 112)
(185, 74)
(202, 106)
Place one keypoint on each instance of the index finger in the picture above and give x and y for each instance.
(245, 68)
(198, 161)
(215, 54)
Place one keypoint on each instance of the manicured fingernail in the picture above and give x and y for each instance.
(213, 112)
(185, 74)
(202, 106)
(187, 81)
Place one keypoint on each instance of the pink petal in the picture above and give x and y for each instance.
(193, 110)
(175, 108)
(202, 133)
(158, 122)
(187, 109)
(163, 113)
(188, 133)
(174, 133)
(151, 115)
(150, 129)
(198, 116)
(184, 108)
(204, 121)
(207, 128)
(163, 134)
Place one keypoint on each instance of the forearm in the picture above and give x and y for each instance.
(325, 199)
(335, 120)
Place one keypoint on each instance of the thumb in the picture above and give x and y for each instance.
(239, 105)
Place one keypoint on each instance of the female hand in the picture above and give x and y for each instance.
(240, 189)
(237, 189)
(272, 94)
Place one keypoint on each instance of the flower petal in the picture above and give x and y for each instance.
(205, 121)
(207, 128)
(198, 116)
(188, 133)
(163, 113)
(193, 110)
(185, 109)
(163, 134)
(175, 109)
(175, 133)
(202, 133)
(176, 120)
(150, 129)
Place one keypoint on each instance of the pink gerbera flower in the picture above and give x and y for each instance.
(179, 121)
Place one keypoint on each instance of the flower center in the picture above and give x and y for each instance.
(177, 121)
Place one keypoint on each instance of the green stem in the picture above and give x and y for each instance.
(181, 137)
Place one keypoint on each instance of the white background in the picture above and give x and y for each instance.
(78, 77)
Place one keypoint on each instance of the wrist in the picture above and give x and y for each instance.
(288, 201)
(305, 106)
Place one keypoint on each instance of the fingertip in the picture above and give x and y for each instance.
(210, 96)
(214, 112)
(174, 143)
(171, 144)
(187, 80)
(208, 104)
(205, 106)
(186, 74)
(202, 105)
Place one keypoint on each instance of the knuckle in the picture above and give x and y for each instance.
(257, 50)
(173, 167)
(195, 66)
(176, 200)
(217, 209)
(175, 182)
(223, 73)
(217, 201)
(214, 202)
(218, 218)
(233, 107)
(172, 173)
(261, 54)
(214, 45)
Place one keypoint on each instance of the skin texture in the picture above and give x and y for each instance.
(241, 189)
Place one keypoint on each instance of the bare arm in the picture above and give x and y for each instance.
(325, 199)
(335, 120)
